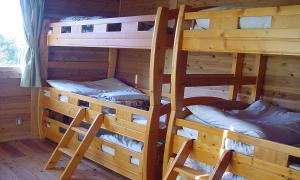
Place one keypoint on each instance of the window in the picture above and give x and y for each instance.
(12, 41)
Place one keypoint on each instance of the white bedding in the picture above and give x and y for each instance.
(250, 22)
(111, 90)
(260, 119)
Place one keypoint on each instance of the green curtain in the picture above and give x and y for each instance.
(33, 11)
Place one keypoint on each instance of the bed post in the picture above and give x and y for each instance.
(237, 70)
(43, 45)
(112, 62)
(178, 75)
(259, 70)
(157, 61)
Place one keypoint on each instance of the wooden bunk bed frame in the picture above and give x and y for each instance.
(271, 160)
(157, 41)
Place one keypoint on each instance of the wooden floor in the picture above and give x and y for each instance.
(25, 160)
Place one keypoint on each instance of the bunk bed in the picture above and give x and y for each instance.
(131, 138)
(214, 138)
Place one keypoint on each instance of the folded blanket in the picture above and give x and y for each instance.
(123, 96)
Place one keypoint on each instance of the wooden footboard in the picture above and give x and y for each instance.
(270, 160)
(66, 104)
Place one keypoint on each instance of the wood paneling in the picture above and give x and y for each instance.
(14, 102)
(140, 7)
(76, 63)
(57, 9)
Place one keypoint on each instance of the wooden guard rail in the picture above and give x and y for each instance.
(128, 36)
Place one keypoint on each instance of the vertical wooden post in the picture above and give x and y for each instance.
(178, 75)
(237, 70)
(112, 62)
(157, 61)
(260, 69)
(37, 110)
(43, 44)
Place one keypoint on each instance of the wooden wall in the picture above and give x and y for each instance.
(77, 63)
(282, 80)
(14, 102)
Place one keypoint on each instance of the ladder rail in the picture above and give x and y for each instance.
(179, 160)
(77, 154)
(56, 155)
(82, 148)
(176, 165)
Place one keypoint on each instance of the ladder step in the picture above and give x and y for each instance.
(191, 173)
(67, 151)
(80, 130)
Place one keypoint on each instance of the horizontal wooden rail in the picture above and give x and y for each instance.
(216, 80)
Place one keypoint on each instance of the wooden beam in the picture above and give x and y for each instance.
(216, 80)
(112, 62)
(44, 52)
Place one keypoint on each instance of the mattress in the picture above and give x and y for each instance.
(111, 90)
(260, 119)
(250, 22)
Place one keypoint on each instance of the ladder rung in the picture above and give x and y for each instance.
(80, 130)
(191, 173)
(67, 151)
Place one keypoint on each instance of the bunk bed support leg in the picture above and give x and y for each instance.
(157, 61)
(112, 62)
(260, 69)
(178, 75)
(237, 70)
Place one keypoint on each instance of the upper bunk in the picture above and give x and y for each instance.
(268, 30)
(134, 32)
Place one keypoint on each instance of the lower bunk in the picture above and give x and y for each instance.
(119, 144)
(233, 141)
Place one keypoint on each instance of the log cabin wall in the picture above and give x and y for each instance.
(76, 63)
(282, 80)
(14, 103)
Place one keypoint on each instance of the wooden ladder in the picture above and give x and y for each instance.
(77, 154)
(176, 166)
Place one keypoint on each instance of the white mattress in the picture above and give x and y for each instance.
(260, 119)
(92, 88)
(111, 90)
(251, 22)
